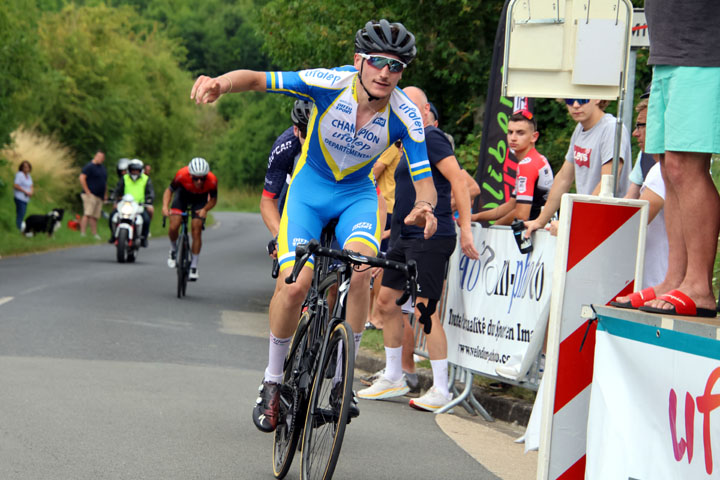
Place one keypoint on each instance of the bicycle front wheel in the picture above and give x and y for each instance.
(292, 401)
(329, 406)
(180, 266)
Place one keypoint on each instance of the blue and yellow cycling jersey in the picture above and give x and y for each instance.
(336, 147)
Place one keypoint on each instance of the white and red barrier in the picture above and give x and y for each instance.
(599, 253)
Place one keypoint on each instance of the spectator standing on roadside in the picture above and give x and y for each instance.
(644, 161)
(93, 180)
(384, 173)
(22, 191)
(589, 157)
(432, 256)
(683, 129)
(533, 179)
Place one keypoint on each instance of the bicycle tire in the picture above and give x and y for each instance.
(292, 403)
(186, 263)
(327, 412)
(179, 265)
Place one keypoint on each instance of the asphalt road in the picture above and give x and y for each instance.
(105, 374)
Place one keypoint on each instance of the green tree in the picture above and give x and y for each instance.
(118, 85)
(22, 67)
(255, 120)
(216, 34)
(454, 40)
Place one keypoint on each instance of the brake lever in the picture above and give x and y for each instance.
(302, 254)
(410, 290)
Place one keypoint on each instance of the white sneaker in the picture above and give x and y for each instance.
(193, 275)
(384, 388)
(431, 401)
(171, 259)
(371, 378)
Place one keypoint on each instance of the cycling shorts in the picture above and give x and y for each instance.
(182, 200)
(314, 200)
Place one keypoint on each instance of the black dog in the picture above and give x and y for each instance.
(43, 223)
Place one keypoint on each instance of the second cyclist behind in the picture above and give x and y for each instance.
(284, 155)
(194, 187)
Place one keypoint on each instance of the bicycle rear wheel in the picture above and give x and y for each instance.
(293, 399)
(328, 406)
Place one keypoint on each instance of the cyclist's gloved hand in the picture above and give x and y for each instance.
(272, 247)
(425, 315)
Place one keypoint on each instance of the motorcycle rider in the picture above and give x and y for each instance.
(139, 185)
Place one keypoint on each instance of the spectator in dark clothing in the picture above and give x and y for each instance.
(93, 180)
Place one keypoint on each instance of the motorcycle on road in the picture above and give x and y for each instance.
(128, 223)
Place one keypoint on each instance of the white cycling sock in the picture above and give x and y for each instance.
(194, 261)
(393, 363)
(276, 358)
(173, 246)
(338, 368)
(440, 375)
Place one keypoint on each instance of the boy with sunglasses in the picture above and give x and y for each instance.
(533, 179)
(589, 157)
(194, 187)
(358, 114)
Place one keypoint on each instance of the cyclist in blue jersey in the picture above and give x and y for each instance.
(359, 112)
(284, 155)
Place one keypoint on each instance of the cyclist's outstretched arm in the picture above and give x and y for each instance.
(425, 200)
(208, 89)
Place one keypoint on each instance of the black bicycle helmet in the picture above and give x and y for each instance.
(385, 37)
(300, 113)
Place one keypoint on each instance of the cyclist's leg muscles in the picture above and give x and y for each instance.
(358, 229)
(196, 202)
(298, 224)
(196, 229)
(177, 207)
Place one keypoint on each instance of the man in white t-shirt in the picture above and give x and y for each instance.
(588, 158)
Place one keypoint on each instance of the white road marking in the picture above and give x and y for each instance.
(5, 300)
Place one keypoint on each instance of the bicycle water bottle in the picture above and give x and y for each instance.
(524, 244)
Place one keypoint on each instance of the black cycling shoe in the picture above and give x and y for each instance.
(144, 242)
(354, 410)
(265, 412)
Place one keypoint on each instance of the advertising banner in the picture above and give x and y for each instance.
(494, 303)
(655, 404)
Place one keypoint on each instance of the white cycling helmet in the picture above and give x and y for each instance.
(122, 164)
(198, 167)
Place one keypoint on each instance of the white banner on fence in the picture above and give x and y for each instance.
(494, 303)
(654, 404)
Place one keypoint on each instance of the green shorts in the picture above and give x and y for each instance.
(684, 110)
